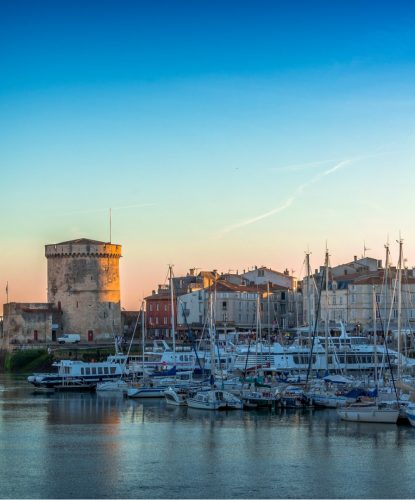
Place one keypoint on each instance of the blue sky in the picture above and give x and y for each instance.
(223, 134)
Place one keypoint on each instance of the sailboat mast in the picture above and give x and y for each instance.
(173, 331)
(142, 334)
(399, 305)
(212, 336)
(326, 339)
(375, 333)
(308, 291)
(257, 335)
(386, 322)
(269, 315)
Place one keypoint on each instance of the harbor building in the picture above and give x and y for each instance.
(357, 288)
(158, 304)
(236, 306)
(84, 286)
(26, 323)
(263, 275)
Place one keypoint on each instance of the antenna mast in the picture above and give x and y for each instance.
(110, 225)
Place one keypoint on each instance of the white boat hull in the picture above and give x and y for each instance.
(112, 386)
(215, 400)
(329, 401)
(203, 406)
(369, 414)
(175, 398)
(410, 414)
(145, 392)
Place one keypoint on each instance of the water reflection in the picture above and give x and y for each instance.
(74, 409)
(102, 445)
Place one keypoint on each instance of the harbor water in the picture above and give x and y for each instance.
(63, 445)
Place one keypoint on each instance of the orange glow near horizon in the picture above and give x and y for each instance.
(139, 276)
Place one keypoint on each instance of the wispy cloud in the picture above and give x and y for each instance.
(303, 166)
(295, 167)
(290, 200)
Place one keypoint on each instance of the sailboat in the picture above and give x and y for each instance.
(260, 396)
(366, 409)
(213, 399)
(149, 388)
(120, 384)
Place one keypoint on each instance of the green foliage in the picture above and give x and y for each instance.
(26, 360)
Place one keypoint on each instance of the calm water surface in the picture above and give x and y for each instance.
(92, 446)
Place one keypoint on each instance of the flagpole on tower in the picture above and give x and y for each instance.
(110, 226)
(7, 292)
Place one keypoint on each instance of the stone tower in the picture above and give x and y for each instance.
(84, 285)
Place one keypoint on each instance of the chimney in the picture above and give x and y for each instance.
(355, 258)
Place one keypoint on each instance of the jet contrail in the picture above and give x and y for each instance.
(297, 193)
(295, 167)
(274, 211)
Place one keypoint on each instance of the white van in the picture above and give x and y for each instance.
(69, 338)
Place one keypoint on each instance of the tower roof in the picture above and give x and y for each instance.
(83, 241)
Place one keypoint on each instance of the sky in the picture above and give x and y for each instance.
(223, 134)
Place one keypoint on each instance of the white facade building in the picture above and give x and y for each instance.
(263, 275)
(232, 305)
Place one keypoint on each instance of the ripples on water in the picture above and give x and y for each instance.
(101, 446)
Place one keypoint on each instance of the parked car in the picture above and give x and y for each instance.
(69, 338)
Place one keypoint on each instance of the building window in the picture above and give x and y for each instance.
(157, 321)
(165, 320)
(150, 307)
(165, 307)
(157, 307)
(224, 305)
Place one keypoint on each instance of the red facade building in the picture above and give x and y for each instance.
(158, 313)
